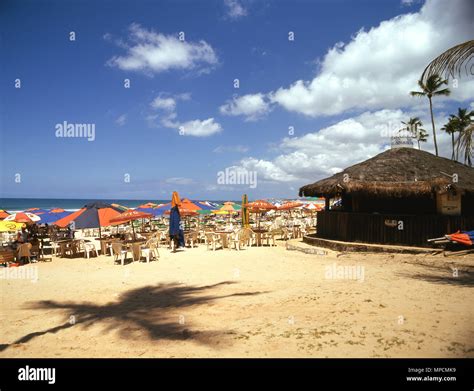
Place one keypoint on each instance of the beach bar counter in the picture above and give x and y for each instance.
(403, 196)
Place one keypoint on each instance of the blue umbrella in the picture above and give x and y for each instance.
(153, 211)
(51, 217)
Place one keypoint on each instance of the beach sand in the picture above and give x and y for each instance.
(259, 302)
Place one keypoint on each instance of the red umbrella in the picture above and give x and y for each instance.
(129, 216)
(3, 214)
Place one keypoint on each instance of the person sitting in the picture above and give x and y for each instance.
(22, 236)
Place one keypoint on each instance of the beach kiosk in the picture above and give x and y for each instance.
(402, 196)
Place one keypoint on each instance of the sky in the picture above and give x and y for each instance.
(181, 95)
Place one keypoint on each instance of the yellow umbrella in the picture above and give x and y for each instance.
(221, 212)
(6, 226)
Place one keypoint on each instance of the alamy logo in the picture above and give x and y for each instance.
(237, 176)
(37, 374)
(70, 130)
(339, 272)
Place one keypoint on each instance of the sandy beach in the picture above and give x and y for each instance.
(259, 302)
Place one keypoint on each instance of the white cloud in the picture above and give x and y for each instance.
(251, 106)
(235, 9)
(151, 52)
(198, 128)
(379, 67)
(327, 151)
(168, 119)
(120, 121)
(163, 103)
(179, 181)
(231, 148)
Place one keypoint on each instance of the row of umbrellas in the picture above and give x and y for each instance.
(99, 214)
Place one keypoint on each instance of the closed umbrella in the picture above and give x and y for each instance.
(175, 231)
(245, 211)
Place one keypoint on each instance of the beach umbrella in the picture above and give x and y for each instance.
(23, 217)
(36, 211)
(259, 206)
(466, 237)
(152, 211)
(120, 207)
(10, 226)
(175, 230)
(94, 215)
(129, 216)
(147, 205)
(205, 206)
(290, 205)
(53, 215)
(245, 211)
(3, 214)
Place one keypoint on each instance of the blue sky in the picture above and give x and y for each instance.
(316, 84)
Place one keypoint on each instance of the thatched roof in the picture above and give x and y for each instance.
(397, 172)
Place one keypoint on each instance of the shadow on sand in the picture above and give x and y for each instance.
(150, 311)
(437, 275)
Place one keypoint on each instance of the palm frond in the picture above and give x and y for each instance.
(452, 62)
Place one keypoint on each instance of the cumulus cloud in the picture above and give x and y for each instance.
(198, 128)
(379, 66)
(327, 151)
(163, 103)
(168, 117)
(152, 52)
(251, 106)
(234, 9)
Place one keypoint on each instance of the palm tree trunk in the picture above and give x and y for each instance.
(452, 142)
(418, 143)
(433, 124)
(458, 145)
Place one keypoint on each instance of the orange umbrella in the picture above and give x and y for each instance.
(259, 206)
(290, 205)
(3, 214)
(187, 204)
(184, 212)
(129, 216)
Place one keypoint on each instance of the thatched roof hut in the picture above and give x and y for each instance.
(399, 172)
(401, 196)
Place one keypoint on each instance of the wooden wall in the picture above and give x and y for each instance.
(372, 227)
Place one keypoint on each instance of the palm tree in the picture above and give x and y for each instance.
(451, 62)
(461, 121)
(414, 126)
(467, 144)
(430, 89)
(451, 127)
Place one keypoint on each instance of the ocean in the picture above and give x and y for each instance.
(20, 204)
